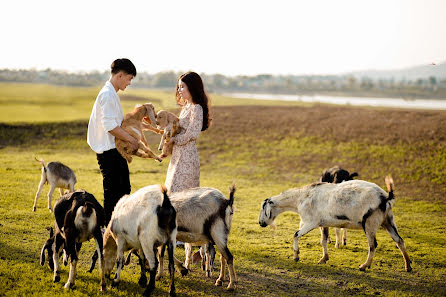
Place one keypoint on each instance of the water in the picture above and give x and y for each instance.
(357, 101)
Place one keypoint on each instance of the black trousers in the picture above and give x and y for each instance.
(115, 179)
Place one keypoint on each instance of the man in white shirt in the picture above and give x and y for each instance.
(104, 126)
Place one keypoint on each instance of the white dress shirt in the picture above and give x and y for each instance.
(106, 115)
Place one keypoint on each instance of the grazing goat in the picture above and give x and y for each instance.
(204, 216)
(58, 176)
(353, 204)
(134, 125)
(337, 175)
(78, 218)
(144, 220)
(170, 123)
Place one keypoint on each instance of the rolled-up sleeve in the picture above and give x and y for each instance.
(194, 128)
(108, 112)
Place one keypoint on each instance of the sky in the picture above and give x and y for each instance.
(231, 37)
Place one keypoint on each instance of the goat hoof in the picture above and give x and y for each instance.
(208, 274)
(103, 288)
(68, 285)
(114, 283)
(218, 282)
(143, 281)
(337, 245)
(362, 267)
(56, 279)
(184, 271)
(34, 208)
(296, 259)
(148, 291)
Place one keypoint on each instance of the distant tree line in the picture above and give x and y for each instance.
(262, 83)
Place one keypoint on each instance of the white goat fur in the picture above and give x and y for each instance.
(353, 204)
(204, 212)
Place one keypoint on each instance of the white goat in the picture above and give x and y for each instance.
(144, 220)
(58, 176)
(204, 215)
(353, 204)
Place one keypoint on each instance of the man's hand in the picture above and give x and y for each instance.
(120, 133)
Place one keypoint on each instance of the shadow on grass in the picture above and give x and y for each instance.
(325, 279)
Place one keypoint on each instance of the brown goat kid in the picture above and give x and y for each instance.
(134, 125)
(170, 123)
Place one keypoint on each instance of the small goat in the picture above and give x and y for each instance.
(78, 218)
(204, 216)
(170, 123)
(134, 125)
(353, 204)
(144, 220)
(58, 176)
(205, 255)
(337, 175)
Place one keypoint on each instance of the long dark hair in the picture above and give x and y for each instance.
(196, 88)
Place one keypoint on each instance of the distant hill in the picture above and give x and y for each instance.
(411, 73)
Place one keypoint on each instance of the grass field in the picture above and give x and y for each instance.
(265, 147)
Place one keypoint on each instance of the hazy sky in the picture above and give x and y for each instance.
(230, 37)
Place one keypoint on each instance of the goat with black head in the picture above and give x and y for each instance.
(78, 218)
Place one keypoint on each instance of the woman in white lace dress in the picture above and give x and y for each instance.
(184, 167)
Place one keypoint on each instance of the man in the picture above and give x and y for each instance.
(104, 126)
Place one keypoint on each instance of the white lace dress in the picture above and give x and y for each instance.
(184, 167)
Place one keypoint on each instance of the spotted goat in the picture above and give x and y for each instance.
(353, 204)
(78, 218)
(145, 220)
(337, 175)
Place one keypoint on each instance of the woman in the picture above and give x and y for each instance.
(184, 167)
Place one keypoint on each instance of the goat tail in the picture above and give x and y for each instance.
(231, 194)
(41, 162)
(390, 186)
(166, 200)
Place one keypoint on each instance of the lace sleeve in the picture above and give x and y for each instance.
(194, 128)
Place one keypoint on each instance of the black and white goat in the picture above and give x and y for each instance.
(353, 204)
(337, 175)
(57, 175)
(144, 220)
(204, 216)
(78, 218)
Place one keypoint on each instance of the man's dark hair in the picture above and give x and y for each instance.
(124, 65)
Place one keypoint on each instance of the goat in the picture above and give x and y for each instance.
(170, 123)
(205, 255)
(204, 216)
(134, 125)
(78, 218)
(57, 175)
(337, 175)
(144, 220)
(353, 204)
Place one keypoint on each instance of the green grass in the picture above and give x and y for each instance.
(260, 165)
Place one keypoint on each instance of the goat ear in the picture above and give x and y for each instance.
(42, 254)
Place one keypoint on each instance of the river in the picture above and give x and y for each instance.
(358, 101)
